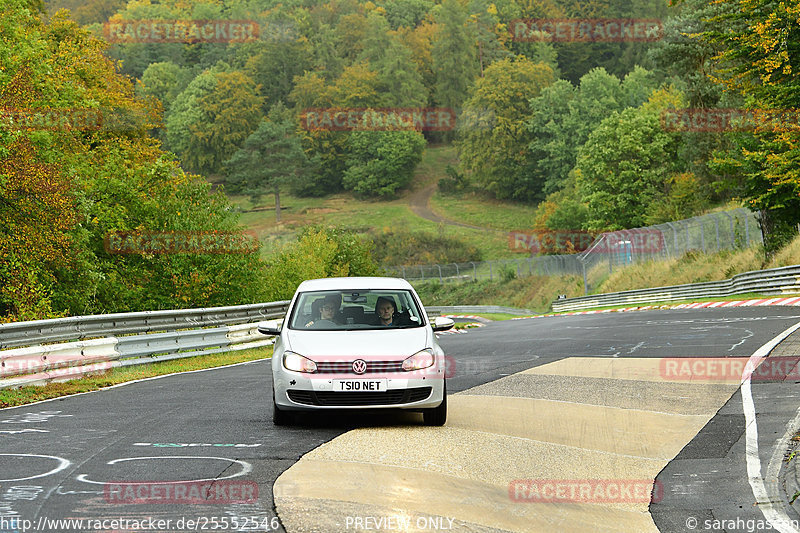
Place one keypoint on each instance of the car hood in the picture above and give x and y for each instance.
(392, 344)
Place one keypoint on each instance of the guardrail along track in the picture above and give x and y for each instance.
(784, 280)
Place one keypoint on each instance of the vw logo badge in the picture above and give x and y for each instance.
(359, 366)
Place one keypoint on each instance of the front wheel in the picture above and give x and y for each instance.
(438, 415)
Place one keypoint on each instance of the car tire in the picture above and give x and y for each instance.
(279, 417)
(438, 415)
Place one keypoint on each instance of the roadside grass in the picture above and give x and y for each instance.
(115, 376)
(538, 292)
(788, 255)
(689, 268)
(479, 210)
(497, 317)
(696, 267)
(532, 292)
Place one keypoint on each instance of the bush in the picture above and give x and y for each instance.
(380, 163)
(318, 253)
(454, 182)
(417, 248)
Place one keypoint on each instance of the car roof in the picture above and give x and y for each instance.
(328, 284)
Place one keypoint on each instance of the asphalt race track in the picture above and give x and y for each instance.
(83, 458)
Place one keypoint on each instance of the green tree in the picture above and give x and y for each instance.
(489, 32)
(212, 118)
(272, 156)
(274, 67)
(381, 162)
(759, 57)
(454, 55)
(496, 152)
(407, 13)
(75, 185)
(164, 81)
(562, 118)
(318, 253)
(400, 81)
(624, 168)
(552, 148)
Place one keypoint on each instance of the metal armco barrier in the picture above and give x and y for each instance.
(83, 327)
(125, 339)
(784, 280)
(435, 310)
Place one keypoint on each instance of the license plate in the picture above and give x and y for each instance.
(359, 385)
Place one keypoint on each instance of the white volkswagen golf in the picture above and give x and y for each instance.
(357, 343)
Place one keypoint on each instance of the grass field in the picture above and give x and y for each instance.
(374, 215)
(485, 212)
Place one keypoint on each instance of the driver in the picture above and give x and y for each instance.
(327, 312)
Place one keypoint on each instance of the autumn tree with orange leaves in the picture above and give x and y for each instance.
(76, 163)
(760, 59)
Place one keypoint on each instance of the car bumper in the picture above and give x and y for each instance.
(297, 391)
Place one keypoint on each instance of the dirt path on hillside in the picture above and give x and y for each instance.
(419, 201)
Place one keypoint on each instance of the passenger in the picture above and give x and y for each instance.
(384, 308)
(327, 313)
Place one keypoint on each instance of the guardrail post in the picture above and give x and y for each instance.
(703, 235)
(688, 238)
(746, 230)
(585, 283)
(674, 239)
(733, 235)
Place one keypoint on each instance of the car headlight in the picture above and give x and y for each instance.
(419, 360)
(298, 363)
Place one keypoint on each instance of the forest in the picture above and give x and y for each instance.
(574, 129)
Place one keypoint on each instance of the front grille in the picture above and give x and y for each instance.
(346, 367)
(392, 397)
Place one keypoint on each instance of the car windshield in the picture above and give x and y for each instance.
(355, 309)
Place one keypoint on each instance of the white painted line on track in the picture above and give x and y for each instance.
(772, 510)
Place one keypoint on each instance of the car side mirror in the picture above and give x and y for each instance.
(441, 323)
(270, 327)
